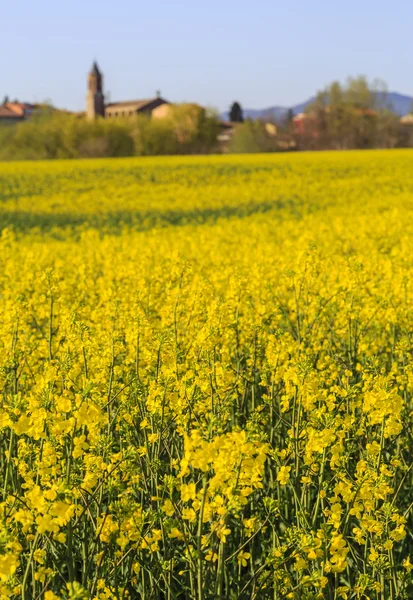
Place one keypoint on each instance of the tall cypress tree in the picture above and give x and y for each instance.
(236, 114)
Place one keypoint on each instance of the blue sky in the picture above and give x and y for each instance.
(262, 52)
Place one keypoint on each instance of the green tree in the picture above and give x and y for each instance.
(355, 115)
(359, 94)
(288, 120)
(236, 114)
(251, 137)
(52, 134)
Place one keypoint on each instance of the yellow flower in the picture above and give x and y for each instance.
(80, 445)
(373, 556)
(407, 564)
(63, 404)
(188, 514)
(49, 595)
(39, 555)
(42, 572)
(168, 508)
(46, 523)
(222, 531)
(8, 565)
(106, 526)
(243, 557)
(373, 448)
(188, 492)
(284, 475)
(398, 533)
(211, 556)
(300, 563)
(175, 533)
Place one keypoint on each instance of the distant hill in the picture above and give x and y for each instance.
(399, 103)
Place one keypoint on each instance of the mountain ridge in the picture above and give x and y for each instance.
(401, 104)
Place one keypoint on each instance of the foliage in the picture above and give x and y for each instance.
(251, 137)
(206, 378)
(235, 114)
(52, 134)
(356, 115)
(194, 127)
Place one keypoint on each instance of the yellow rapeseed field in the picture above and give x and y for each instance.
(206, 378)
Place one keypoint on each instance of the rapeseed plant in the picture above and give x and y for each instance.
(206, 378)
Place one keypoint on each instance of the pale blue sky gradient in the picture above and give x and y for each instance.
(261, 52)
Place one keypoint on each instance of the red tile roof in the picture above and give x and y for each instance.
(19, 108)
(137, 104)
(6, 113)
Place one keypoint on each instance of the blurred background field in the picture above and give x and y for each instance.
(140, 193)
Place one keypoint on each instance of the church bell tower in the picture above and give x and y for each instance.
(95, 100)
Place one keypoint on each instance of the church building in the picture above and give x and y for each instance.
(96, 107)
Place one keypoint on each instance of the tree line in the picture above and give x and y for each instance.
(50, 134)
(355, 115)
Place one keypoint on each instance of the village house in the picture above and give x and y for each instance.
(407, 120)
(12, 112)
